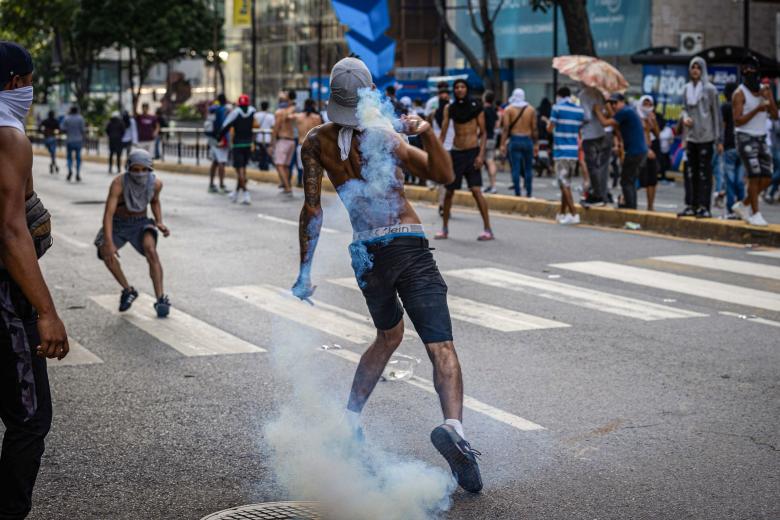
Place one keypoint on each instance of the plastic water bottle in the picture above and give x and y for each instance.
(400, 368)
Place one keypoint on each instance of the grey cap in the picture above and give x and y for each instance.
(347, 77)
(141, 157)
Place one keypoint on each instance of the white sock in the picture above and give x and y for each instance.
(457, 425)
(354, 419)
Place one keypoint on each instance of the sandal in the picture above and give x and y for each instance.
(441, 235)
(486, 235)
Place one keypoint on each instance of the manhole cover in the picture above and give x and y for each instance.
(269, 510)
(88, 202)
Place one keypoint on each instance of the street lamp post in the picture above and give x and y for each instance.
(254, 54)
(555, 45)
(319, 54)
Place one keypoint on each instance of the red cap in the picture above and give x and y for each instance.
(243, 100)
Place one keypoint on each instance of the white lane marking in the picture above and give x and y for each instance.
(677, 283)
(69, 240)
(572, 294)
(773, 253)
(188, 335)
(327, 320)
(725, 264)
(482, 314)
(287, 222)
(78, 355)
(754, 319)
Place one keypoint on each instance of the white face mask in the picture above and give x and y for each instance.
(15, 104)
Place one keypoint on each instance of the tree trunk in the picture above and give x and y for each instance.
(489, 43)
(452, 36)
(578, 33)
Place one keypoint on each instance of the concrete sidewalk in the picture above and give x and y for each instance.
(655, 222)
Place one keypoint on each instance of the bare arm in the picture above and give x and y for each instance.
(17, 251)
(606, 121)
(108, 216)
(738, 105)
(504, 131)
(433, 162)
(157, 208)
(310, 222)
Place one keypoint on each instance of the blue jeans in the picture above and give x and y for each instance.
(74, 148)
(51, 146)
(521, 156)
(717, 171)
(732, 174)
(776, 172)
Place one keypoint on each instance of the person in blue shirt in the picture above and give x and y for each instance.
(632, 132)
(565, 122)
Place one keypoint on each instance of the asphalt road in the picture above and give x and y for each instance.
(629, 387)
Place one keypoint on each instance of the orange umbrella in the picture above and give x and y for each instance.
(593, 72)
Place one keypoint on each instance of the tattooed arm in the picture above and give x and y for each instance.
(310, 221)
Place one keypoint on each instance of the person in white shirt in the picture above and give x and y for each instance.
(265, 123)
(753, 104)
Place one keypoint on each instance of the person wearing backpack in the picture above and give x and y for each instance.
(519, 138)
(219, 147)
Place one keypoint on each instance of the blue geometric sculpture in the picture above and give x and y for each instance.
(378, 55)
(368, 18)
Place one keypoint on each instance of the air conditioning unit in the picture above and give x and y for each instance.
(691, 42)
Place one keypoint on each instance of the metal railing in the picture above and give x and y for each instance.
(178, 142)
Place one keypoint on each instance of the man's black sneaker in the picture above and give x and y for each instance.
(687, 212)
(162, 306)
(461, 457)
(703, 213)
(127, 299)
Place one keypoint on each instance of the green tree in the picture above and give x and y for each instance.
(160, 31)
(64, 36)
(576, 21)
(483, 17)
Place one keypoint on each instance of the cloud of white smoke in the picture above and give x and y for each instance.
(317, 457)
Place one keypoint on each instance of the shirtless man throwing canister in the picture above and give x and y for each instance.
(390, 254)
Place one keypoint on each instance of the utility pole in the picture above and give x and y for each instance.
(746, 24)
(319, 54)
(442, 40)
(119, 76)
(254, 54)
(555, 45)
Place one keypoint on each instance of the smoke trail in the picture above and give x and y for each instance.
(316, 456)
(376, 198)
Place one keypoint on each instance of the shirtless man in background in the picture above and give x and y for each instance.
(520, 137)
(305, 121)
(283, 138)
(468, 154)
(390, 254)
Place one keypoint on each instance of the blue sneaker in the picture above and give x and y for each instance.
(128, 297)
(162, 306)
(461, 457)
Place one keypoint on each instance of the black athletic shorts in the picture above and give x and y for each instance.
(241, 157)
(405, 267)
(463, 165)
(648, 174)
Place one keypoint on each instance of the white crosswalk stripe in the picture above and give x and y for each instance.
(773, 253)
(571, 294)
(482, 314)
(677, 283)
(78, 355)
(353, 328)
(189, 335)
(754, 319)
(725, 264)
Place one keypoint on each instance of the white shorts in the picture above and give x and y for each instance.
(219, 155)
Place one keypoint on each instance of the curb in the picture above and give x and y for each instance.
(663, 223)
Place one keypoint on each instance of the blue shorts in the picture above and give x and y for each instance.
(132, 230)
(405, 267)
